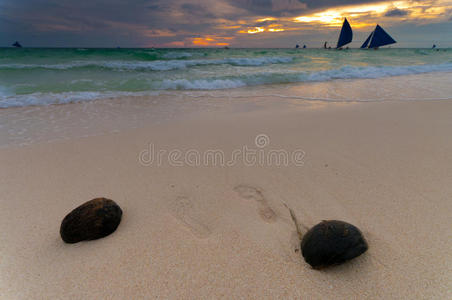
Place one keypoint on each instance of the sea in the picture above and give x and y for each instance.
(34, 76)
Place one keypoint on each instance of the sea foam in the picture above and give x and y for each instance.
(7, 99)
(158, 65)
(346, 72)
(51, 76)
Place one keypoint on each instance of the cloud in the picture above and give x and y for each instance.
(396, 13)
(291, 7)
(136, 23)
(196, 10)
(334, 3)
(270, 7)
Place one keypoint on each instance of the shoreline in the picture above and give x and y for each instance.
(186, 233)
(311, 90)
(37, 124)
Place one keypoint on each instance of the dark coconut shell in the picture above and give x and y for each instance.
(331, 243)
(92, 220)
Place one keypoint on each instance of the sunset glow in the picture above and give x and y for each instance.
(335, 17)
(216, 23)
(253, 30)
(265, 19)
(209, 41)
(276, 29)
(360, 14)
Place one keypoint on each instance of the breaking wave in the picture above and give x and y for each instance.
(158, 65)
(346, 72)
(9, 99)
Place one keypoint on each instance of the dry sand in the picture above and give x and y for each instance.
(212, 232)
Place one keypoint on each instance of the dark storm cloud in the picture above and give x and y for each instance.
(98, 21)
(134, 11)
(290, 7)
(196, 10)
(270, 7)
(396, 13)
(332, 3)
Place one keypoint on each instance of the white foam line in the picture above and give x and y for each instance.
(157, 65)
(8, 100)
(318, 99)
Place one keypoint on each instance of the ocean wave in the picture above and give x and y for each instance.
(351, 72)
(8, 99)
(39, 99)
(158, 65)
(5, 92)
(175, 55)
(346, 72)
(200, 84)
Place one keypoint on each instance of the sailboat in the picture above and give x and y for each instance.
(346, 35)
(378, 38)
(17, 45)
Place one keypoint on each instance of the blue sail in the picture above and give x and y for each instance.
(367, 41)
(380, 38)
(346, 35)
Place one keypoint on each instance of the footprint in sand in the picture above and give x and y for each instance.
(182, 208)
(251, 193)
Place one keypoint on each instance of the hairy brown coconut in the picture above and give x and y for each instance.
(92, 220)
(330, 242)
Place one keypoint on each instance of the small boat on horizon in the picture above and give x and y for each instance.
(17, 44)
(377, 38)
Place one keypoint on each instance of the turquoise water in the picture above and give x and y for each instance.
(44, 76)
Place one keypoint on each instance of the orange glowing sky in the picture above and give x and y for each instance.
(363, 17)
(219, 23)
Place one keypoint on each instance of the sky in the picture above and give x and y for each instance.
(219, 23)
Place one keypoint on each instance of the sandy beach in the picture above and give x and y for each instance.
(189, 232)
